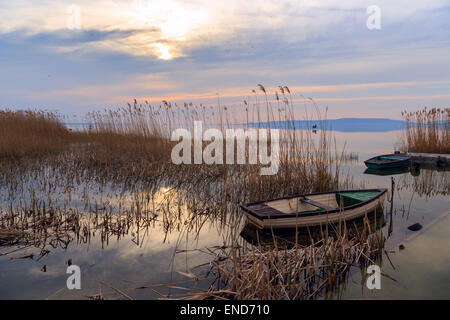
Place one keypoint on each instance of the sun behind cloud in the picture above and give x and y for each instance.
(175, 22)
(164, 51)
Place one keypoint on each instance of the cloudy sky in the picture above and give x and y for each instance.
(80, 55)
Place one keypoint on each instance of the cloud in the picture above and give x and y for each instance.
(149, 27)
(192, 50)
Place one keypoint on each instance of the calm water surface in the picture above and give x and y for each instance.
(154, 256)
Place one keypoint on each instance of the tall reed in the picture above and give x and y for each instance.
(137, 136)
(427, 130)
(30, 133)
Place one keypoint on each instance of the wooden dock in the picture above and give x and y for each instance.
(439, 160)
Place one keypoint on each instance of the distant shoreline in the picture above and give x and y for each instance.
(340, 125)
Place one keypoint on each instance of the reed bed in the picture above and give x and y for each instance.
(115, 177)
(30, 133)
(134, 139)
(131, 133)
(351, 156)
(278, 271)
(427, 130)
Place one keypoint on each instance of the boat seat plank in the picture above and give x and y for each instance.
(267, 211)
(264, 210)
(289, 206)
(317, 204)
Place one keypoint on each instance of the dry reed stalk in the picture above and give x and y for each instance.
(30, 133)
(427, 130)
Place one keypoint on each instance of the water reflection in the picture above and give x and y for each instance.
(418, 271)
(387, 172)
(134, 237)
(112, 234)
(426, 182)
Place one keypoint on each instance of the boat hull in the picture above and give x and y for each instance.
(396, 164)
(289, 237)
(388, 161)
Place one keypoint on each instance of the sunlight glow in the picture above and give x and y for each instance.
(170, 21)
(164, 51)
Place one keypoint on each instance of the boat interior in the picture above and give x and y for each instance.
(387, 159)
(320, 202)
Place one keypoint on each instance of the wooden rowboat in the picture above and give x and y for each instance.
(314, 209)
(388, 161)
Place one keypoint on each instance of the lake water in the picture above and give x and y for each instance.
(147, 257)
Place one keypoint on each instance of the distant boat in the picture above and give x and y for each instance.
(389, 161)
(314, 209)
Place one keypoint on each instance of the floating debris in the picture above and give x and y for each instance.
(30, 256)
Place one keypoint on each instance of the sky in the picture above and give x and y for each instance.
(77, 56)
